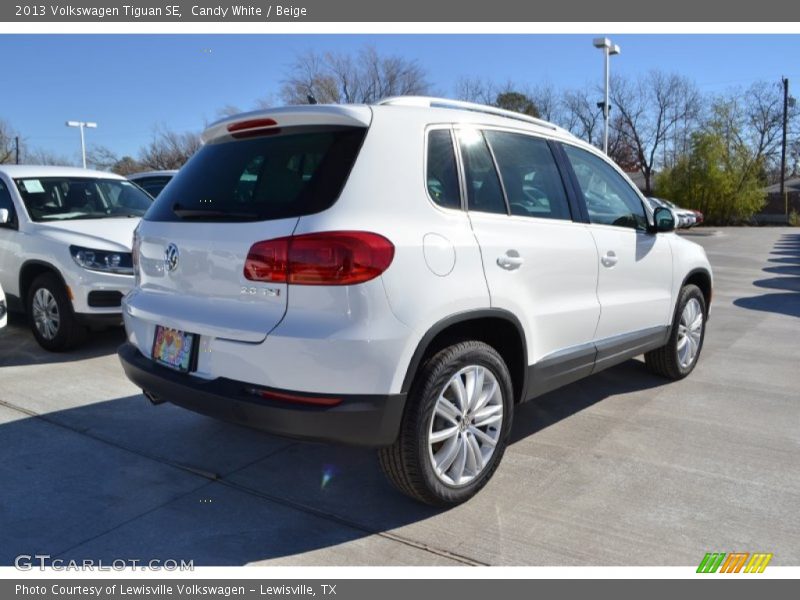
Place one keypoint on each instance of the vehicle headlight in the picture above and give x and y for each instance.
(102, 260)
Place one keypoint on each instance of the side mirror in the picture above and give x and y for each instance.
(5, 216)
(663, 219)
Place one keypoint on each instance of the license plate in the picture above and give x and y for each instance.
(175, 349)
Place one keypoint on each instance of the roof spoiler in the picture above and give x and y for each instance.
(289, 116)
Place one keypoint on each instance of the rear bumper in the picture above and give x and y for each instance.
(363, 420)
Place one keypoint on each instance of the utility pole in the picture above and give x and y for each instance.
(785, 82)
(16, 147)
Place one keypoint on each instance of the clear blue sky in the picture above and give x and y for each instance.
(131, 83)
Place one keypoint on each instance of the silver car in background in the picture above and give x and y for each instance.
(684, 218)
(153, 182)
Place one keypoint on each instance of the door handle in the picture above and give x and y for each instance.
(610, 259)
(510, 260)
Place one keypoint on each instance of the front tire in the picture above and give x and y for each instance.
(455, 428)
(51, 316)
(679, 356)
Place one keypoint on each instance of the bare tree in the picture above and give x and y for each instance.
(475, 89)
(228, 111)
(8, 143)
(101, 157)
(620, 148)
(581, 116)
(43, 156)
(547, 101)
(267, 101)
(509, 96)
(105, 159)
(344, 78)
(169, 149)
(761, 106)
(649, 110)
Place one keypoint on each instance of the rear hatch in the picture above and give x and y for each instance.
(256, 175)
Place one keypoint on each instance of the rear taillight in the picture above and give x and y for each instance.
(331, 258)
(267, 261)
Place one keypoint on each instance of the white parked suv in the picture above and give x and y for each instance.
(65, 247)
(402, 276)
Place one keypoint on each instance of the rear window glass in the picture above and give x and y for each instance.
(261, 178)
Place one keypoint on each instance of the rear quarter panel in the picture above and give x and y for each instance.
(386, 194)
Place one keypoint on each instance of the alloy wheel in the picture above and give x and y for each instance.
(45, 314)
(465, 426)
(690, 333)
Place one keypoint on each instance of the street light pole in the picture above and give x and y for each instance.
(80, 125)
(609, 50)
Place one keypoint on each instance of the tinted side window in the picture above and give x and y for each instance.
(6, 202)
(153, 185)
(530, 177)
(610, 199)
(484, 193)
(5, 199)
(442, 174)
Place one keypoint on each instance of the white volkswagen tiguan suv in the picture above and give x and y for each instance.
(402, 276)
(65, 247)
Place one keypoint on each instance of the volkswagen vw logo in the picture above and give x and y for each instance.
(171, 256)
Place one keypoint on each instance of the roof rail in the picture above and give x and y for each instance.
(429, 101)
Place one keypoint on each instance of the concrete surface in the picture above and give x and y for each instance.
(620, 469)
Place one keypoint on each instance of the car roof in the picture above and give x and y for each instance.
(428, 109)
(23, 171)
(159, 173)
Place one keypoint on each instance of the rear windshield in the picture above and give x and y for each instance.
(73, 198)
(268, 177)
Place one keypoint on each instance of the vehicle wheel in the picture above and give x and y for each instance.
(455, 428)
(51, 316)
(678, 357)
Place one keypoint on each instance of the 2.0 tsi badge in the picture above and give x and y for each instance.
(171, 257)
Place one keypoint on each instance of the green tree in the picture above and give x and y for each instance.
(721, 175)
(518, 102)
(126, 165)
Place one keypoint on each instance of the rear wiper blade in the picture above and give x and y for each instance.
(199, 214)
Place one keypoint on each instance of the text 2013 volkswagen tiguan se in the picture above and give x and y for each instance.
(401, 276)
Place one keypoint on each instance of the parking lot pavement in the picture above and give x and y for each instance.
(622, 468)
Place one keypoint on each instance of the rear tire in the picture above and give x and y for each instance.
(455, 427)
(51, 316)
(678, 357)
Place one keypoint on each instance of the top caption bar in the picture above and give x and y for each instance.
(470, 11)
